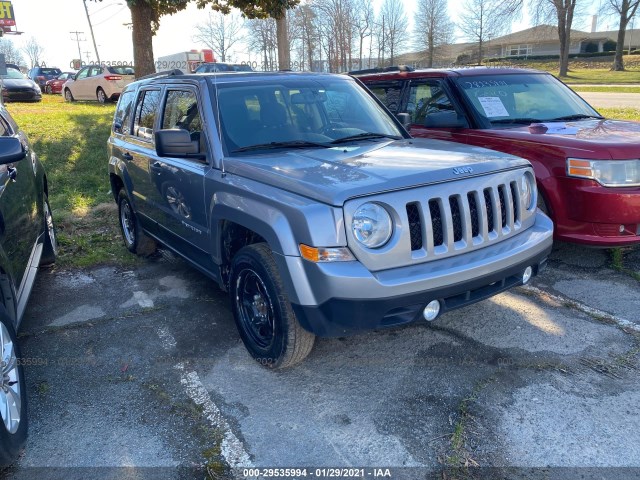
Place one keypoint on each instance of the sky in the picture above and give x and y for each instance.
(52, 26)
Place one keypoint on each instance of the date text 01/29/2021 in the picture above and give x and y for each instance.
(326, 472)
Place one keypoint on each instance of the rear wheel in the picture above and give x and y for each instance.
(50, 246)
(68, 96)
(13, 400)
(48, 89)
(134, 239)
(263, 314)
(102, 97)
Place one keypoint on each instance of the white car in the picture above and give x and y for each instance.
(98, 82)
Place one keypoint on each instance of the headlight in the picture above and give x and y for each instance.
(527, 190)
(372, 225)
(610, 173)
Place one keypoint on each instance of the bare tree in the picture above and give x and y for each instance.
(304, 34)
(11, 53)
(363, 24)
(395, 27)
(625, 10)
(433, 27)
(262, 40)
(34, 51)
(483, 20)
(564, 12)
(336, 31)
(219, 32)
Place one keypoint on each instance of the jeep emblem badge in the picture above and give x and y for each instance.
(461, 170)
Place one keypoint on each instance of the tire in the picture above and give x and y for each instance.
(134, 239)
(48, 90)
(263, 314)
(101, 96)
(68, 96)
(13, 421)
(50, 245)
(542, 205)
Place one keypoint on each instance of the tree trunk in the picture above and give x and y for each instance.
(142, 37)
(618, 64)
(284, 62)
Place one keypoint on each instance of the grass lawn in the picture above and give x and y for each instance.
(597, 88)
(71, 139)
(601, 76)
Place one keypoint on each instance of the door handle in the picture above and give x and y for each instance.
(12, 172)
(127, 156)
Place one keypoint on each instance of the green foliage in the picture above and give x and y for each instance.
(251, 9)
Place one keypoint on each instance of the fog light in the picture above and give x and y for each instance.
(526, 276)
(621, 228)
(431, 311)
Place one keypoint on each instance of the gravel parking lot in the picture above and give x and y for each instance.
(141, 374)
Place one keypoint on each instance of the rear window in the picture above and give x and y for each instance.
(122, 70)
(50, 71)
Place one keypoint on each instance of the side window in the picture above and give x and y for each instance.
(388, 93)
(122, 117)
(145, 116)
(426, 98)
(181, 111)
(83, 73)
(4, 128)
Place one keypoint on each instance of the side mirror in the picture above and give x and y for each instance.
(11, 150)
(405, 119)
(447, 119)
(177, 143)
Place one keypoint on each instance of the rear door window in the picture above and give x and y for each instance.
(122, 117)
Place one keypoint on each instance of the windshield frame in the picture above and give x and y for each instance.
(379, 114)
(500, 122)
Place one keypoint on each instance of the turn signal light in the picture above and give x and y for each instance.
(321, 254)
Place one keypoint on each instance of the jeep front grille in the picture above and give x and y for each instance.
(462, 220)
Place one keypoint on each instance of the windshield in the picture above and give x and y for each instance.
(523, 98)
(50, 71)
(13, 73)
(298, 112)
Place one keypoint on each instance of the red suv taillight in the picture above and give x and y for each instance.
(112, 78)
(40, 77)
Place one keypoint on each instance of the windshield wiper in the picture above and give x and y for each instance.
(273, 145)
(516, 120)
(577, 116)
(365, 136)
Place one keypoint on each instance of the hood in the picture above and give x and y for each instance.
(10, 83)
(333, 175)
(621, 138)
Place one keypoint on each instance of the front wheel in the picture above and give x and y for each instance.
(134, 239)
(13, 400)
(50, 246)
(68, 96)
(48, 89)
(263, 314)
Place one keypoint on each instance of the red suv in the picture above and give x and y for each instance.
(587, 167)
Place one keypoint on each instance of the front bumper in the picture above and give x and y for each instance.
(350, 299)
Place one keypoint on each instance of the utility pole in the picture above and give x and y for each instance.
(95, 47)
(77, 34)
(87, 53)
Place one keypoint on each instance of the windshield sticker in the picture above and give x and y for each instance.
(493, 107)
(560, 128)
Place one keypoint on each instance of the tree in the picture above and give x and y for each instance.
(303, 25)
(433, 27)
(262, 39)
(563, 11)
(625, 10)
(11, 53)
(34, 51)
(220, 32)
(395, 27)
(363, 22)
(483, 20)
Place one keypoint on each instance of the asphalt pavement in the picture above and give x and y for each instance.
(140, 373)
(612, 99)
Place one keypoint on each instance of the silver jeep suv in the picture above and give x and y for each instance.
(311, 205)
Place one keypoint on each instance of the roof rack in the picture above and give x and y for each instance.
(166, 73)
(393, 68)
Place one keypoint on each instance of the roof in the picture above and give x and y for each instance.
(541, 33)
(449, 72)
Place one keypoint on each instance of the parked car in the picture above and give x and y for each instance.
(587, 166)
(302, 196)
(27, 241)
(223, 67)
(18, 88)
(98, 82)
(41, 75)
(55, 85)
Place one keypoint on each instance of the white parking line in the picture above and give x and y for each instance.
(621, 322)
(232, 449)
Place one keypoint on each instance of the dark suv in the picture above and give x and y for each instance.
(41, 75)
(306, 200)
(27, 240)
(587, 167)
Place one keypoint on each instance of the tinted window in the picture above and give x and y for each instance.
(181, 111)
(145, 118)
(389, 93)
(50, 71)
(122, 116)
(426, 98)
